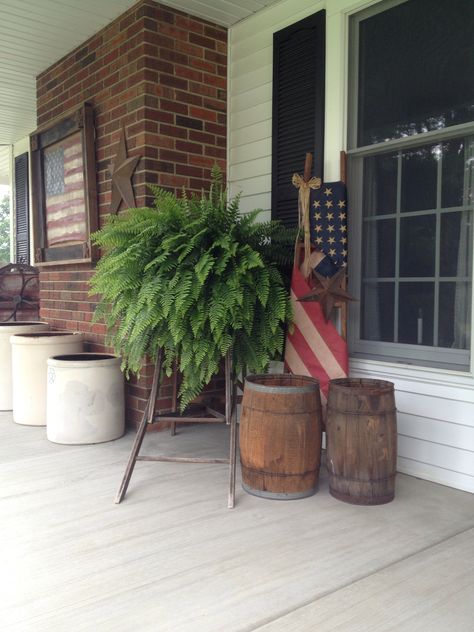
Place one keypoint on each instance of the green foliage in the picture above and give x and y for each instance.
(5, 229)
(196, 278)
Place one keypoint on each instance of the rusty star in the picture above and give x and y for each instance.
(121, 171)
(328, 291)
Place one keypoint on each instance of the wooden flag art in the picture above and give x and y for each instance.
(315, 347)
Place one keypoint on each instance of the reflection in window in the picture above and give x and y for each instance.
(380, 173)
(419, 177)
(452, 186)
(398, 97)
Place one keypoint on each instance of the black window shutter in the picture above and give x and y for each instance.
(298, 109)
(22, 210)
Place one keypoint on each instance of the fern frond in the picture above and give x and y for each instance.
(193, 277)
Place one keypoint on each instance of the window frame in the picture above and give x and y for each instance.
(458, 360)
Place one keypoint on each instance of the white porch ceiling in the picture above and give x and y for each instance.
(36, 33)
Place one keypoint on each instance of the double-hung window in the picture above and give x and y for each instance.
(411, 176)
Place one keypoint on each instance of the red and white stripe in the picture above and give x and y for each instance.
(315, 347)
(66, 219)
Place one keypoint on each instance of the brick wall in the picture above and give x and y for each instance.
(160, 74)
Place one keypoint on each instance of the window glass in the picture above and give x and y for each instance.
(417, 246)
(379, 248)
(454, 315)
(380, 184)
(455, 249)
(452, 185)
(416, 65)
(419, 177)
(378, 302)
(416, 264)
(415, 313)
(410, 81)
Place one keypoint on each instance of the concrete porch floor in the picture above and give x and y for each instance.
(173, 557)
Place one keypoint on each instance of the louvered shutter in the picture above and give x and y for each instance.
(298, 109)
(22, 210)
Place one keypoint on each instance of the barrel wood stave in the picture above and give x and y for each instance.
(280, 436)
(362, 441)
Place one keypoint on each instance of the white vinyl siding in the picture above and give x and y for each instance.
(436, 407)
(250, 100)
(435, 421)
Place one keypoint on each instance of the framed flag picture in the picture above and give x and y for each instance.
(64, 191)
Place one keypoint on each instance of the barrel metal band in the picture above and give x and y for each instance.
(330, 409)
(288, 414)
(362, 480)
(283, 390)
(282, 474)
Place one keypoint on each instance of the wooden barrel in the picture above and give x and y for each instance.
(280, 436)
(361, 427)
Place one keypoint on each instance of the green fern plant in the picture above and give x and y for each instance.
(196, 278)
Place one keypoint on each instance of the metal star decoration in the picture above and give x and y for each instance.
(328, 292)
(121, 171)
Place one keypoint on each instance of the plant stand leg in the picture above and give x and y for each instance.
(231, 418)
(233, 448)
(228, 387)
(174, 398)
(147, 418)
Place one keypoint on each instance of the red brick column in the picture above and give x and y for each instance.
(161, 75)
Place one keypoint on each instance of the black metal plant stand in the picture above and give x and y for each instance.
(209, 415)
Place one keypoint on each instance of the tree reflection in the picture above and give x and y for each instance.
(393, 130)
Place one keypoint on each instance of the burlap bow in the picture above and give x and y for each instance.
(304, 187)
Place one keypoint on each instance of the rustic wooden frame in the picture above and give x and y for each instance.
(79, 120)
